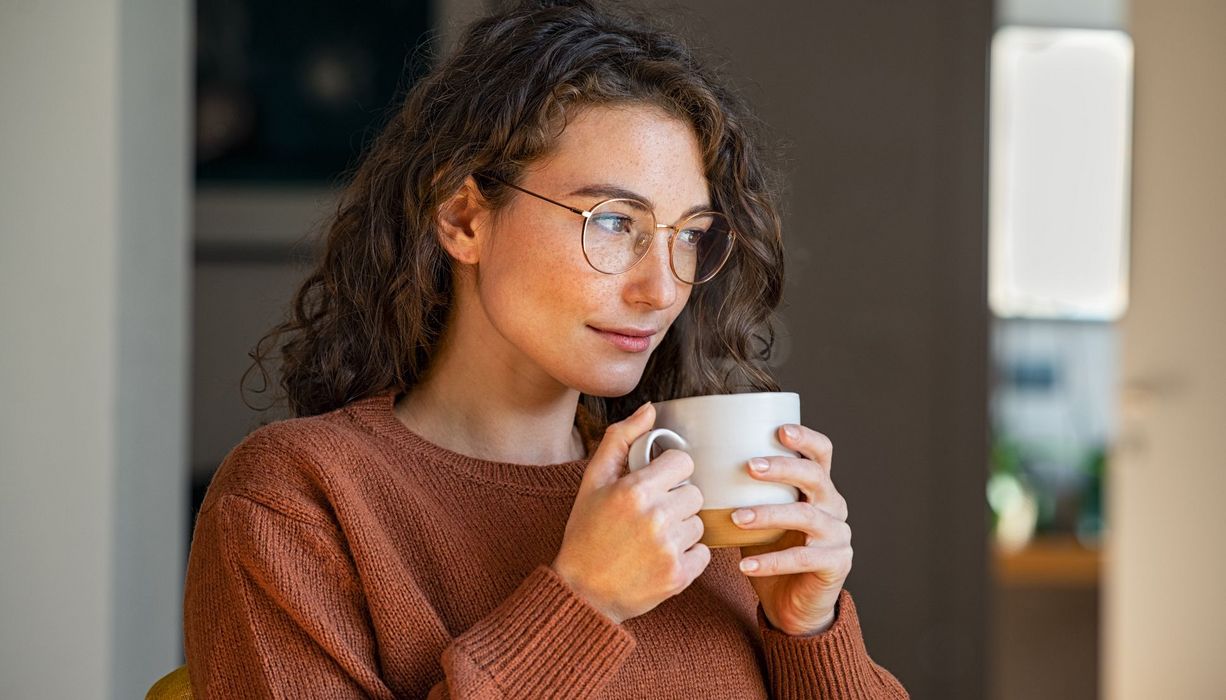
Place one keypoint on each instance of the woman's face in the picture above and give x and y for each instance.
(534, 285)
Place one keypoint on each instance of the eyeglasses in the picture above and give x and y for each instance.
(617, 234)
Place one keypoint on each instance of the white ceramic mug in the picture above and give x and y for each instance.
(721, 433)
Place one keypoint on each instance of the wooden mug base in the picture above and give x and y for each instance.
(720, 531)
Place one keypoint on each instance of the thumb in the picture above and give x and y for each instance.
(610, 457)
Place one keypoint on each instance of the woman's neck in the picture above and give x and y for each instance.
(472, 403)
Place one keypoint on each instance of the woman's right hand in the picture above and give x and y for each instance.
(632, 541)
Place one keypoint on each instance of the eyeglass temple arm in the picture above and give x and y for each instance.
(580, 212)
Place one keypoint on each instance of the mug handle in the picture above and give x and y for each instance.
(640, 451)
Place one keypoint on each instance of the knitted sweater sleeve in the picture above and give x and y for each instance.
(274, 607)
(832, 664)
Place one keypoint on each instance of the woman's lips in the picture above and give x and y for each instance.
(628, 343)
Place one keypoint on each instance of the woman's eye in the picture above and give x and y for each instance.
(690, 236)
(614, 223)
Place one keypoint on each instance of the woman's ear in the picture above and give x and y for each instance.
(463, 220)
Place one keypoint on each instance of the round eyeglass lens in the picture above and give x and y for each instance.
(701, 246)
(617, 235)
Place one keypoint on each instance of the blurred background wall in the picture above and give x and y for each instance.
(1164, 616)
(94, 275)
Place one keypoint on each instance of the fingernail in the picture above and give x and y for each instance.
(758, 464)
(749, 565)
(742, 516)
(790, 431)
(642, 408)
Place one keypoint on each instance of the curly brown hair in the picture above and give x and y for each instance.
(369, 316)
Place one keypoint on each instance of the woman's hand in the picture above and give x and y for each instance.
(798, 578)
(632, 541)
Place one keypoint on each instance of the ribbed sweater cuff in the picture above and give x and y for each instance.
(546, 641)
(831, 664)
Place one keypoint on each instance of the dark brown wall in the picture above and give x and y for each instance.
(882, 106)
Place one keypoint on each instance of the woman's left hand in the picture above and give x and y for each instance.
(799, 577)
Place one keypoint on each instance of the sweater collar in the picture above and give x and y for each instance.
(376, 413)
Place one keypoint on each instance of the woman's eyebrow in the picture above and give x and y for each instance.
(609, 191)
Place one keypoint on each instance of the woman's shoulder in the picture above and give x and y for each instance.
(285, 464)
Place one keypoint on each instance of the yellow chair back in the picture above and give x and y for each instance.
(173, 686)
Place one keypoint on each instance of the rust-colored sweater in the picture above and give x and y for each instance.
(343, 555)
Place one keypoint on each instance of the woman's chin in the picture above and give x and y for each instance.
(610, 384)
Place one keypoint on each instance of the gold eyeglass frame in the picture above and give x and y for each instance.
(675, 228)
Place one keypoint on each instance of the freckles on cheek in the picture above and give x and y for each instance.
(553, 301)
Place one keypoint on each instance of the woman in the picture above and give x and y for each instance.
(449, 514)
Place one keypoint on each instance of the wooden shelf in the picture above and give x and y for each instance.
(1049, 561)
